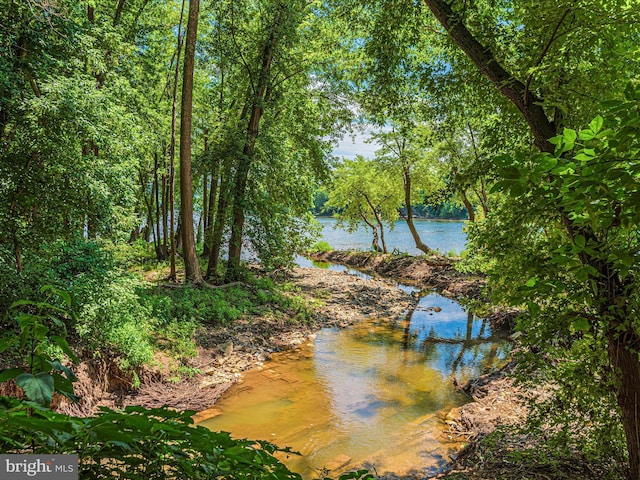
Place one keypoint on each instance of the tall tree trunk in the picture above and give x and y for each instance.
(172, 154)
(191, 265)
(213, 195)
(161, 253)
(406, 179)
(205, 201)
(244, 164)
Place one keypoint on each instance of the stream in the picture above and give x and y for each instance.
(373, 395)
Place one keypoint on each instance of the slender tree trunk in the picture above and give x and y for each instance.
(468, 206)
(178, 236)
(213, 195)
(165, 205)
(161, 253)
(374, 210)
(382, 240)
(149, 204)
(205, 201)
(172, 156)
(191, 265)
(17, 252)
(242, 172)
(406, 178)
(217, 231)
(375, 243)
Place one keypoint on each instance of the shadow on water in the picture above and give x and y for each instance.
(374, 395)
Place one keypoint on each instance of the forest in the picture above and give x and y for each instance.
(161, 163)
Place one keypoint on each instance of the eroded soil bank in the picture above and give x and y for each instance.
(335, 299)
(426, 272)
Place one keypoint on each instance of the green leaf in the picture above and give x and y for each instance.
(586, 135)
(10, 373)
(532, 282)
(569, 135)
(64, 387)
(64, 346)
(38, 388)
(580, 241)
(547, 163)
(58, 366)
(501, 186)
(596, 124)
(6, 343)
(19, 303)
(580, 325)
(511, 173)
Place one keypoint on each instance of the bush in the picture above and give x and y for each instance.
(137, 443)
(321, 247)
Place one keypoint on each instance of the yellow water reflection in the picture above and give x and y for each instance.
(373, 395)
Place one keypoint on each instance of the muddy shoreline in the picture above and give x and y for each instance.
(337, 299)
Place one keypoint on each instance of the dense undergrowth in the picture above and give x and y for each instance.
(116, 313)
(98, 304)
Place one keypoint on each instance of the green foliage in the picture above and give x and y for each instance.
(321, 246)
(35, 351)
(137, 443)
(590, 183)
(200, 306)
(112, 319)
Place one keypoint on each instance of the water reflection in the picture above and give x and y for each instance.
(371, 395)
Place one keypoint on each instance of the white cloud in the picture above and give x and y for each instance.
(352, 145)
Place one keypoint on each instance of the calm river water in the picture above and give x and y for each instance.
(445, 236)
(374, 395)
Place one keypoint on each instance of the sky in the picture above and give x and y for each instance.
(352, 145)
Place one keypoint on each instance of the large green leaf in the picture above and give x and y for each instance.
(38, 388)
(10, 373)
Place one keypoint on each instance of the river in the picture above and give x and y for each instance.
(444, 236)
(373, 395)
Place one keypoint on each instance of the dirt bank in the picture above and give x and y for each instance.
(426, 272)
(336, 299)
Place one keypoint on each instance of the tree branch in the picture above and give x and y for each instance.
(481, 56)
(545, 50)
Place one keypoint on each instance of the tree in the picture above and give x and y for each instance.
(590, 250)
(407, 152)
(260, 79)
(192, 267)
(363, 192)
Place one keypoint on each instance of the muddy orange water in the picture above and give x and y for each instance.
(371, 396)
